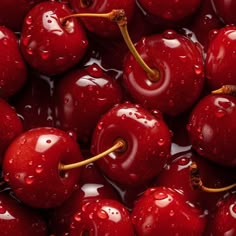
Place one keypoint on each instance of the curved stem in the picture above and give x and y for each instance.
(119, 144)
(196, 181)
(226, 89)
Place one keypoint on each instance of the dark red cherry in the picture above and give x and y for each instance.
(164, 211)
(31, 166)
(169, 11)
(102, 217)
(48, 44)
(223, 221)
(98, 25)
(211, 129)
(13, 69)
(82, 96)
(18, 219)
(147, 144)
(221, 58)
(175, 89)
(225, 10)
(12, 12)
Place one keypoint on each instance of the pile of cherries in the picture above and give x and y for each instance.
(117, 117)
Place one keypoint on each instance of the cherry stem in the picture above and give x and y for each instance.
(119, 144)
(196, 181)
(226, 89)
(118, 16)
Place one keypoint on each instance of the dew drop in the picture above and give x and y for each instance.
(95, 71)
(100, 125)
(28, 20)
(30, 163)
(91, 215)
(183, 161)
(220, 113)
(197, 69)
(160, 195)
(172, 213)
(48, 141)
(90, 88)
(161, 142)
(2, 210)
(169, 34)
(10, 161)
(29, 179)
(123, 116)
(5, 41)
(29, 50)
(39, 169)
(49, 21)
(44, 54)
(26, 40)
(102, 214)
(77, 217)
(7, 177)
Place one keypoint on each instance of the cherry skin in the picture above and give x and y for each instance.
(48, 44)
(164, 211)
(147, 148)
(13, 69)
(100, 26)
(220, 69)
(225, 10)
(34, 102)
(18, 219)
(176, 89)
(17, 9)
(102, 217)
(211, 129)
(10, 126)
(92, 186)
(224, 219)
(31, 166)
(169, 11)
(82, 96)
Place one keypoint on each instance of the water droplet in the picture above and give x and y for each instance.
(161, 142)
(171, 103)
(95, 71)
(7, 177)
(198, 70)
(102, 214)
(172, 213)
(26, 40)
(29, 179)
(200, 136)
(133, 176)
(39, 169)
(5, 41)
(160, 195)
(91, 215)
(123, 116)
(29, 50)
(48, 141)
(100, 125)
(77, 217)
(30, 163)
(28, 20)
(169, 34)
(220, 113)
(44, 54)
(183, 161)
(212, 34)
(10, 161)
(49, 21)
(90, 88)
(2, 210)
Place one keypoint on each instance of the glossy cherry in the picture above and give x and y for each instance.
(100, 26)
(225, 10)
(211, 128)
(31, 166)
(220, 58)
(169, 88)
(169, 12)
(10, 126)
(82, 96)
(164, 211)
(48, 44)
(147, 144)
(12, 66)
(102, 217)
(18, 219)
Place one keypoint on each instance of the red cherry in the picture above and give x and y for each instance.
(16, 9)
(82, 96)
(164, 211)
(100, 26)
(174, 90)
(13, 69)
(102, 217)
(221, 58)
(48, 44)
(10, 126)
(18, 219)
(169, 11)
(211, 129)
(31, 166)
(225, 10)
(147, 147)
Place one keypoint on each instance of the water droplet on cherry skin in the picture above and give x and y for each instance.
(220, 113)
(28, 20)
(169, 34)
(29, 179)
(2, 210)
(160, 195)
(102, 214)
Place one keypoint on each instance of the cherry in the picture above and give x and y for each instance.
(10, 126)
(13, 69)
(34, 102)
(225, 10)
(100, 26)
(18, 219)
(220, 58)
(164, 211)
(100, 218)
(224, 220)
(147, 144)
(31, 166)
(82, 96)
(17, 9)
(211, 128)
(48, 44)
(169, 12)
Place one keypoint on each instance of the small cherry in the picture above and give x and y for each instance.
(102, 217)
(48, 44)
(211, 128)
(164, 211)
(12, 66)
(81, 97)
